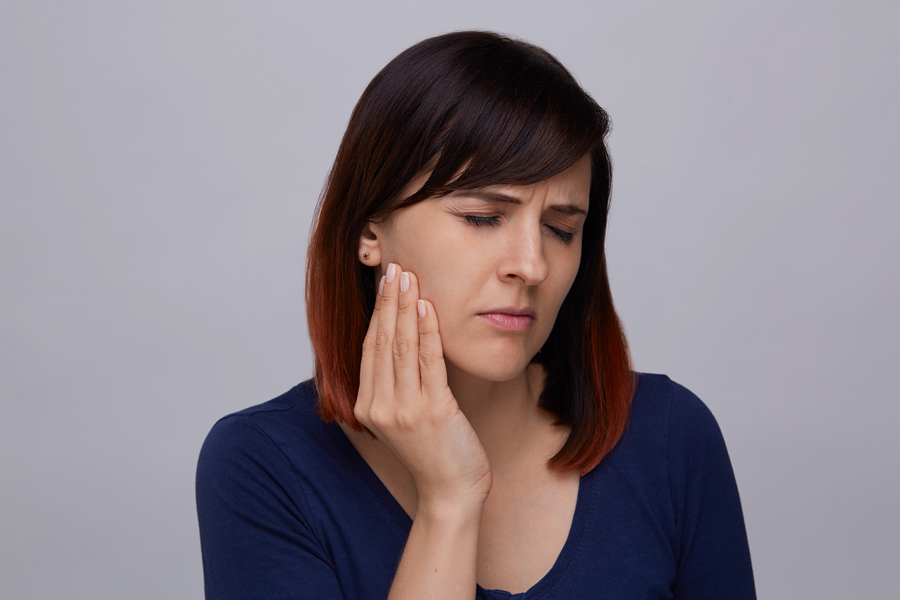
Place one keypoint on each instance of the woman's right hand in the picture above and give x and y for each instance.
(405, 401)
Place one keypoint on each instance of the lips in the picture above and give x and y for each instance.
(510, 310)
(508, 321)
(509, 317)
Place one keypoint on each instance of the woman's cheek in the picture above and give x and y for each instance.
(432, 275)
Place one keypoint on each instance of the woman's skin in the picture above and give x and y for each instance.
(461, 442)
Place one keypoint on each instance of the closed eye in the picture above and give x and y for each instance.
(476, 220)
(479, 221)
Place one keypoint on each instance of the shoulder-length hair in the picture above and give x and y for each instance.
(475, 109)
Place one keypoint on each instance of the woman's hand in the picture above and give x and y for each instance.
(405, 401)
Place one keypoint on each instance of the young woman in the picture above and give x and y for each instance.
(473, 427)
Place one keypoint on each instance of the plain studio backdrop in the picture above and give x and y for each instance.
(159, 167)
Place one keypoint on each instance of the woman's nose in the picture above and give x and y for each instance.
(525, 256)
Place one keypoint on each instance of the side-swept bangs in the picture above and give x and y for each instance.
(469, 110)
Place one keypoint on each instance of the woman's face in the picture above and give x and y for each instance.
(478, 253)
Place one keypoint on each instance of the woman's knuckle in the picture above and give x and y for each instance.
(404, 304)
(406, 420)
(382, 341)
(402, 348)
(428, 359)
(379, 417)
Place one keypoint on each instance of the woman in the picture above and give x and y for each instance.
(473, 427)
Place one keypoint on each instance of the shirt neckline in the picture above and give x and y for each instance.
(401, 519)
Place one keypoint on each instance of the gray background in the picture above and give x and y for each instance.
(160, 162)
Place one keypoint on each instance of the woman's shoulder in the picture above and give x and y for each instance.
(674, 454)
(661, 402)
(295, 408)
(666, 421)
(655, 390)
(297, 402)
(284, 432)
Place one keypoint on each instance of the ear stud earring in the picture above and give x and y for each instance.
(366, 255)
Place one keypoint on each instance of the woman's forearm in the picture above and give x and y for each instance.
(439, 560)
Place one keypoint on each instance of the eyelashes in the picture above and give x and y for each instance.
(493, 221)
(476, 220)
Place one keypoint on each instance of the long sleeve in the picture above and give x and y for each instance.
(256, 535)
(713, 555)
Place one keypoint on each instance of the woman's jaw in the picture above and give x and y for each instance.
(486, 391)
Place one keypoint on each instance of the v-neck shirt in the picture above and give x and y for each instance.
(289, 509)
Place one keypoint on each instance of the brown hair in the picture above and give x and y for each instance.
(476, 109)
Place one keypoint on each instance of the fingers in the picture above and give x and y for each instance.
(406, 340)
(396, 364)
(432, 368)
(402, 352)
(385, 332)
(367, 367)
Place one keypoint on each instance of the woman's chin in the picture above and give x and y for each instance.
(492, 358)
(489, 368)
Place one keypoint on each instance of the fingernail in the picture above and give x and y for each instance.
(391, 272)
(421, 306)
(404, 281)
(381, 285)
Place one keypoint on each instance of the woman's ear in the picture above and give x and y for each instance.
(370, 245)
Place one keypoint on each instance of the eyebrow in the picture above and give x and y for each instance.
(497, 197)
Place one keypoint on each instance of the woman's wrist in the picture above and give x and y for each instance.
(449, 512)
(440, 556)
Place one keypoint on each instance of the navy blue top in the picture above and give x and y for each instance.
(289, 509)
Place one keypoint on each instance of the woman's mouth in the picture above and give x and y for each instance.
(508, 321)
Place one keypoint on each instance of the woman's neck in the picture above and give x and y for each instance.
(506, 416)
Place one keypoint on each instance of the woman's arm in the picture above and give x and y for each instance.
(256, 534)
(713, 553)
(405, 400)
(439, 558)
